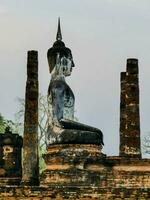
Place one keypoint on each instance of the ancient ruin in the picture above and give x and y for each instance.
(10, 158)
(129, 111)
(30, 139)
(76, 167)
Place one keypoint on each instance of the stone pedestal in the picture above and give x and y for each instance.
(68, 163)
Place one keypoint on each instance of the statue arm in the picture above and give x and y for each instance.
(57, 104)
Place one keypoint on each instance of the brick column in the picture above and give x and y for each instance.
(122, 111)
(129, 114)
(30, 140)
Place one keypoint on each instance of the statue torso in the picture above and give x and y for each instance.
(59, 90)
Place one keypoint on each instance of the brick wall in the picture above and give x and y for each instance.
(114, 178)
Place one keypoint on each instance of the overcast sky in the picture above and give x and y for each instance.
(102, 34)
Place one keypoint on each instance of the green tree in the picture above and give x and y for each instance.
(2, 124)
(5, 123)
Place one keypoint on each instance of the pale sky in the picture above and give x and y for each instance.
(102, 34)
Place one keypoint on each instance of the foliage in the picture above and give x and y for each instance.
(2, 124)
(146, 144)
(43, 120)
(5, 123)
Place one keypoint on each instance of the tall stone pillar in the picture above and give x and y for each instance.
(129, 114)
(122, 111)
(30, 139)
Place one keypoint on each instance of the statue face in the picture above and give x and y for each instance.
(66, 65)
(63, 66)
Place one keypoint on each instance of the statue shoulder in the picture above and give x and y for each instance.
(57, 85)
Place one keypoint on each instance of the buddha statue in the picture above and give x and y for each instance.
(62, 128)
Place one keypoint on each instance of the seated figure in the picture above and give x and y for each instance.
(62, 129)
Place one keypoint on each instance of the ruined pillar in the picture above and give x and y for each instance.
(10, 158)
(122, 111)
(30, 140)
(129, 114)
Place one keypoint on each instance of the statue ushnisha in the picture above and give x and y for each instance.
(62, 128)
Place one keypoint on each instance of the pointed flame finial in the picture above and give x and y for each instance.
(59, 36)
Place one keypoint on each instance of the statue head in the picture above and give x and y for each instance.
(66, 64)
(65, 56)
(63, 66)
